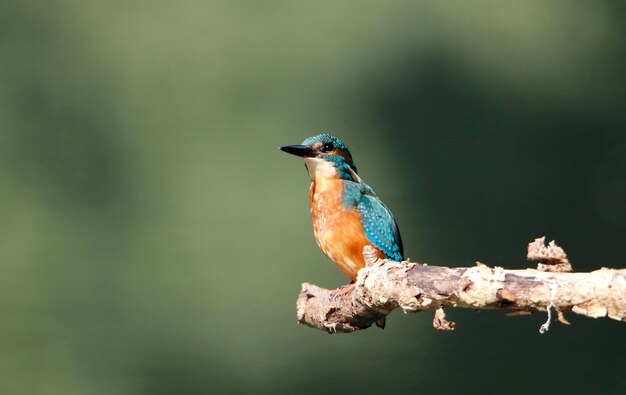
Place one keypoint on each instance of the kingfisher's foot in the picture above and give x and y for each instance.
(342, 291)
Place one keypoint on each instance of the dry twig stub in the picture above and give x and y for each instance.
(552, 256)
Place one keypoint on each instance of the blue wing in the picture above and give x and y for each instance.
(378, 222)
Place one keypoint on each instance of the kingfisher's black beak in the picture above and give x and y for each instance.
(299, 150)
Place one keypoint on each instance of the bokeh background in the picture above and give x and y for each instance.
(153, 239)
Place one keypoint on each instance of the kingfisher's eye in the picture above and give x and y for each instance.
(327, 147)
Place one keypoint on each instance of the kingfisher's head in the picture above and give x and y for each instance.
(325, 156)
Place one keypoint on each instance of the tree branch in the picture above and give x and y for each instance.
(383, 286)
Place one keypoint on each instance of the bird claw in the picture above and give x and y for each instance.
(341, 291)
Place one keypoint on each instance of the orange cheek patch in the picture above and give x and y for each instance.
(339, 153)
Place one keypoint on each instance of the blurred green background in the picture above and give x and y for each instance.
(153, 239)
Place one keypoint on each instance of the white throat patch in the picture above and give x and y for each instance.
(320, 168)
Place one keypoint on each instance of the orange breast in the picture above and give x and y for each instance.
(338, 230)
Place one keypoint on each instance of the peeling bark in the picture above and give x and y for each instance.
(383, 286)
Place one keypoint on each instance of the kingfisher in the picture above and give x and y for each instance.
(346, 213)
